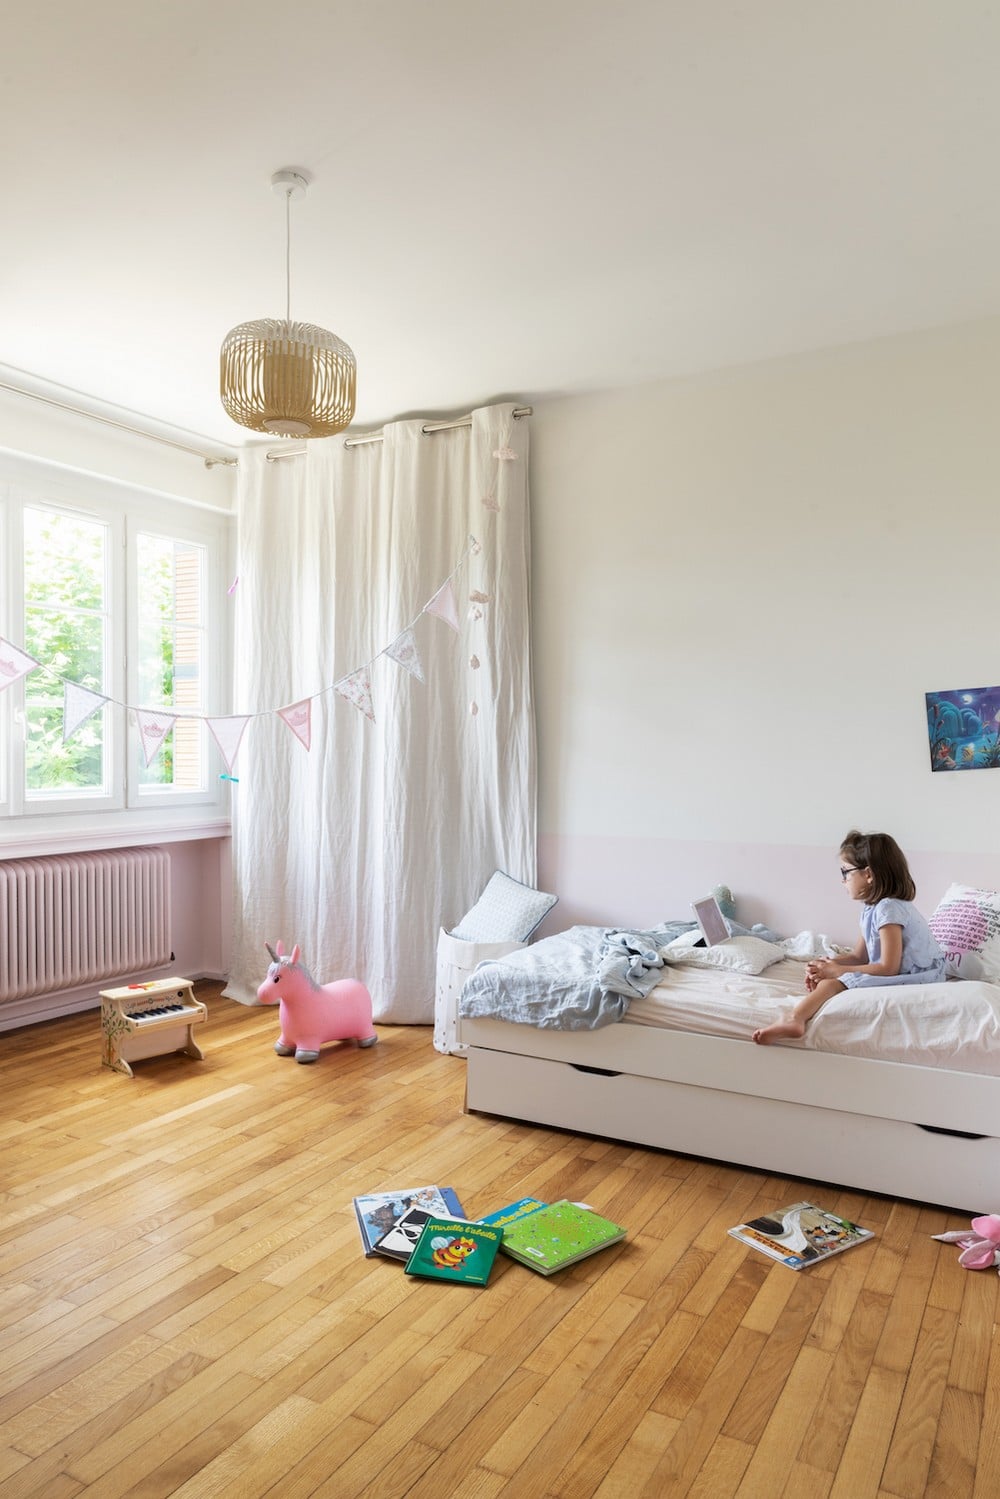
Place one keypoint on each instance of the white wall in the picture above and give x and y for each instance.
(744, 584)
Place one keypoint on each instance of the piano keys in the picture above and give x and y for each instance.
(149, 1020)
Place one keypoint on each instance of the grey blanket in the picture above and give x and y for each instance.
(577, 980)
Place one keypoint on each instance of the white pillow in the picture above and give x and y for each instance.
(966, 925)
(507, 911)
(737, 955)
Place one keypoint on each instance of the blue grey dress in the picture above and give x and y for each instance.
(922, 962)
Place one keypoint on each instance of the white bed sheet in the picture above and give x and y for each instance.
(954, 1025)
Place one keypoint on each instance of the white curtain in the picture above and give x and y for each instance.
(362, 847)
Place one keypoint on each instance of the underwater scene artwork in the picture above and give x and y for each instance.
(964, 728)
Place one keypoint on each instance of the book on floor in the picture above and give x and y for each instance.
(513, 1211)
(401, 1240)
(802, 1234)
(378, 1211)
(456, 1250)
(553, 1237)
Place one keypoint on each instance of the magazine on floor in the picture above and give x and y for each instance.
(802, 1234)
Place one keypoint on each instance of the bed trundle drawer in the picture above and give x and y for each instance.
(819, 1144)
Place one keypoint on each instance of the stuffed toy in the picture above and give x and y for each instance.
(980, 1245)
(311, 1013)
(727, 904)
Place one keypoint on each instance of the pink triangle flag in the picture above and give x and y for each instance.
(14, 663)
(298, 717)
(443, 605)
(78, 704)
(227, 733)
(357, 690)
(153, 729)
(404, 650)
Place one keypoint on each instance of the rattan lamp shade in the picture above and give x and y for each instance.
(288, 379)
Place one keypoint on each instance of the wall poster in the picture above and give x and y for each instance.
(963, 727)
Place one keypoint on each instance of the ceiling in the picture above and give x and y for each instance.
(544, 197)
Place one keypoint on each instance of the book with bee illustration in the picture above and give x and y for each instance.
(456, 1250)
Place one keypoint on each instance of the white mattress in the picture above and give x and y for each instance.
(954, 1025)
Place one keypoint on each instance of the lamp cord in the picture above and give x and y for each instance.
(288, 257)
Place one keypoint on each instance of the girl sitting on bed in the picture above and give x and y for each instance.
(896, 944)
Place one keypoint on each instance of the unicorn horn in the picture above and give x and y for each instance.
(274, 955)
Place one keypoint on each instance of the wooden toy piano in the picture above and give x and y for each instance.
(149, 1020)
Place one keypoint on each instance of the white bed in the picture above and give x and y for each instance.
(887, 1092)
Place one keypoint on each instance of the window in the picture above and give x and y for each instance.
(118, 595)
(65, 585)
(170, 600)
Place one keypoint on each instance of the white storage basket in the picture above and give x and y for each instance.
(455, 961)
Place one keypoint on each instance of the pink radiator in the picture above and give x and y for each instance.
(81, 918)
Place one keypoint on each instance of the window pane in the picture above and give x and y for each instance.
(66, 628)
(171, 655)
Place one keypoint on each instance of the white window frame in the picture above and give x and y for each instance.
(127, 510)
(5, 631)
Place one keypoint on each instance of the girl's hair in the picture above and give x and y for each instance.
(891, 877)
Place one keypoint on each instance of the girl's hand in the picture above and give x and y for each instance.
(820, 968)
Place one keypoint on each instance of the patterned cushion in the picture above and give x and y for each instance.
(507, 911)
(967, 927)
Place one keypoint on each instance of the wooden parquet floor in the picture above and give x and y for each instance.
(185, 1309)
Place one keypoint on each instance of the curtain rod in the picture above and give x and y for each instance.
(217, 461)
(109, 421)
(367, 437)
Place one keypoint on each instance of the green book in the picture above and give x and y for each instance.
(552, 1238)
(456, 1250)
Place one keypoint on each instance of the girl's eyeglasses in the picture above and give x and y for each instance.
(851, 869)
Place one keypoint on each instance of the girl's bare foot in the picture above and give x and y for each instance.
(780, 1029)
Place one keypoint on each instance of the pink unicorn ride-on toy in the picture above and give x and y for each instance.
(312, 1013)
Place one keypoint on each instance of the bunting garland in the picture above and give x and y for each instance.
(298, 717)
(78, 705)
(404, 651)
(153, 729)
(227, 733)
(357, 689)
(444, 606)
(154, 725)
(14, 663)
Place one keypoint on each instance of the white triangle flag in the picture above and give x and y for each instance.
(227, 733)
(357, 690)
(404, 650)
(78, 704)
(298, 717)
(14, 663)
(443, 605)
(153, 729)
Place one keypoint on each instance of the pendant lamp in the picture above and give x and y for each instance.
(287, 379)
